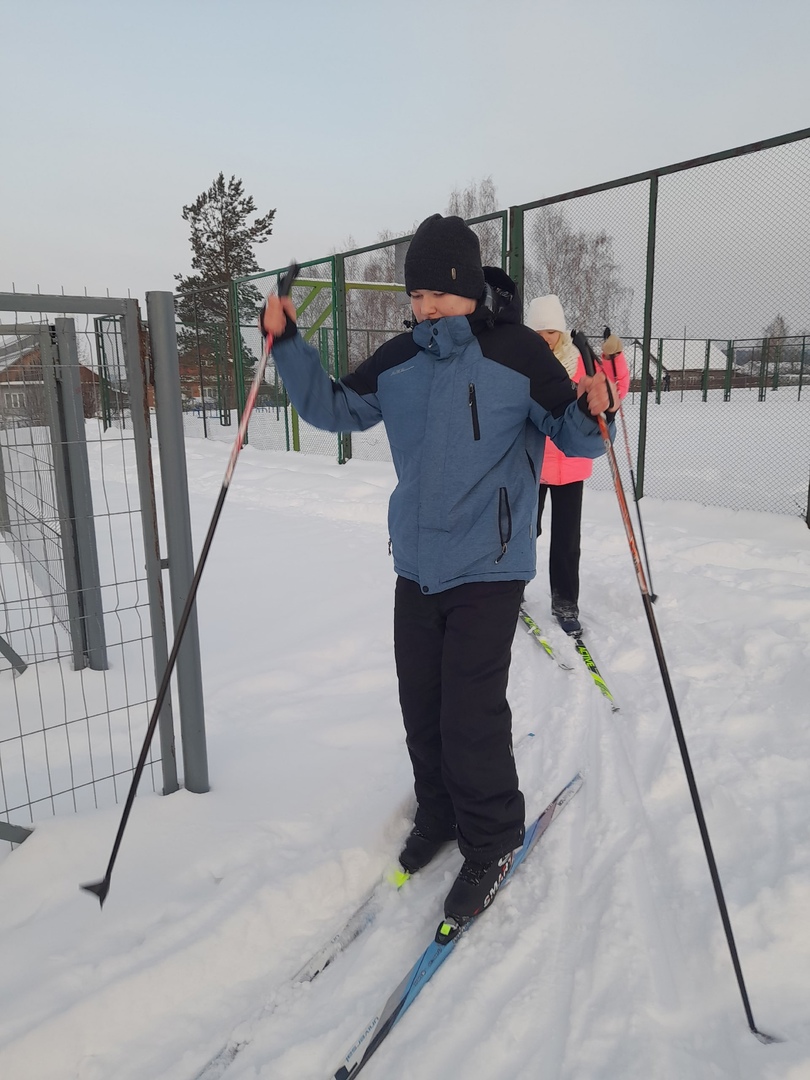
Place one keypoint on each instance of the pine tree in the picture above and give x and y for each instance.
(222, 240)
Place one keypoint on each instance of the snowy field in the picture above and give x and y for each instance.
(604, 960)
(743, 453)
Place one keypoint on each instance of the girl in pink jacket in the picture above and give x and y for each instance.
(564, 476)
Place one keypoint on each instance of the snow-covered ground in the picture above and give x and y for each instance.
(743, 453)
(604, 960)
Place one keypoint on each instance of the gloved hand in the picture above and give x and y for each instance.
(612, 345)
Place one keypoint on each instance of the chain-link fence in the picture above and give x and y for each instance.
(218, 357)
(702, 268)
(347, 305)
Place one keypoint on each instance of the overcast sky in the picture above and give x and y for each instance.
(352, 116)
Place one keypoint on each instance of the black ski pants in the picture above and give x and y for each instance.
(453, 651)
(564, 549)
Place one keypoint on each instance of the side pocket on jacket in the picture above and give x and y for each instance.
(504, 521)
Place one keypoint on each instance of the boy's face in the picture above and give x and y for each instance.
(435, 305)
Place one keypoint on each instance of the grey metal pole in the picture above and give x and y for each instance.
(340, 309)
(141, 433)
(169, 416)
(70, 560)
(13, 658)
(5, 517)
(84, 531)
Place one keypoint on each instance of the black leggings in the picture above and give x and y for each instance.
(566, 521)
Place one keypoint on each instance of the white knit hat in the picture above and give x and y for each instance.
(546, 313)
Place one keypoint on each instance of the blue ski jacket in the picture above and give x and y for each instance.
(466, 402)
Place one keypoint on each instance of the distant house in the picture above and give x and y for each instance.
(683, 363)
(17, 363)
(771, 359)
(206, 376)
(22, 390)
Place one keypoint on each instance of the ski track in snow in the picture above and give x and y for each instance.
(604, 958)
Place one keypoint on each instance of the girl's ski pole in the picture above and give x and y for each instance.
(653, 597)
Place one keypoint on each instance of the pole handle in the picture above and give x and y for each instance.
(585, 351)
(285, 285)
(286, 282)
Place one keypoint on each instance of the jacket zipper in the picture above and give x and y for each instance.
(474, 413)
(504, 521)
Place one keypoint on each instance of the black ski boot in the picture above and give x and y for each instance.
(567, 615)
(475, 887)
(419, 850)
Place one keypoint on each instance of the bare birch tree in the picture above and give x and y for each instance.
(578, 266)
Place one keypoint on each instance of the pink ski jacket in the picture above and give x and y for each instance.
(557, 468)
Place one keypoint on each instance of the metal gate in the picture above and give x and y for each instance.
(82, 620)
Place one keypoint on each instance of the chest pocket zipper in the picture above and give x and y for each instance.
(474, 413)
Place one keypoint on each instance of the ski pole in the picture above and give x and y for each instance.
(653, 597)
(101, 888)
(588, 360)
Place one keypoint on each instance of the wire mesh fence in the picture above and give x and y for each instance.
(74, 702)
(702, 268)
(28, 502)
(732, 268)
(217, 365)
(591, 252)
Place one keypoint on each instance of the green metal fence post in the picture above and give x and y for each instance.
(704, 383)
(516, 250)
(295, 430)
(729, 370)
(342, 342)
(223, 384)
(777, 360)
(235, 342)
(763, 368)
(658, 368)
(801, 374)
(647, 340)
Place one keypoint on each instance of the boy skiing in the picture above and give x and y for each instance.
(467, 398)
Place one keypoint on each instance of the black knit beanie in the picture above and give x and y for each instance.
(445, 256)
